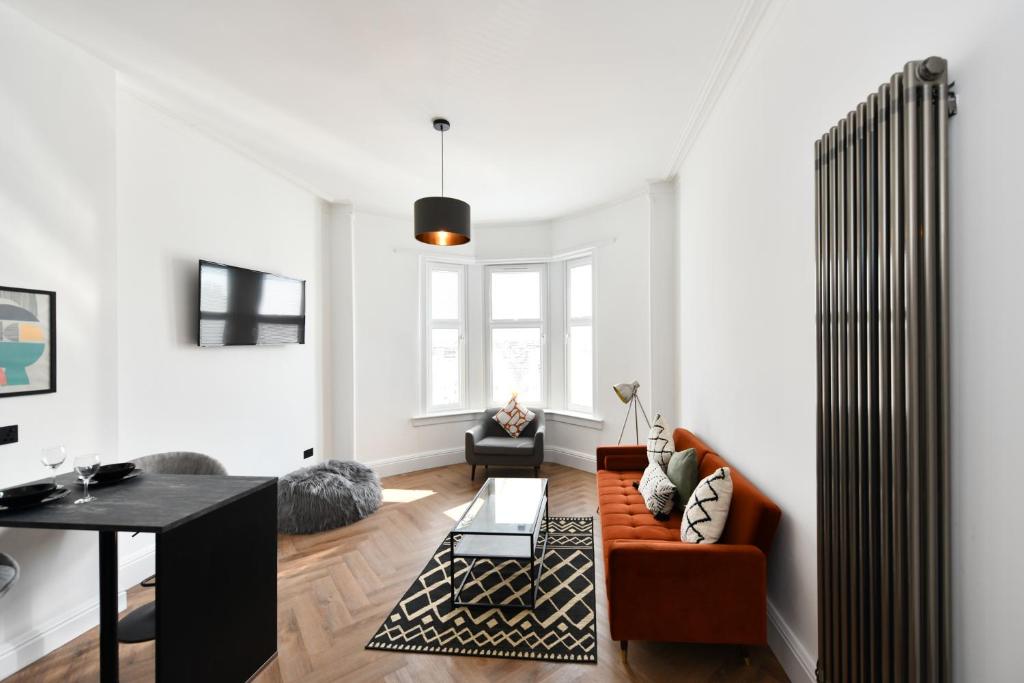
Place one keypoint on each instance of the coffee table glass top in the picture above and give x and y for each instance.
(505, 506)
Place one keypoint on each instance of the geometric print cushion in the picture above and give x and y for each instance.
(514, 417)
(658, 492)
(708, 508)
(659, 448)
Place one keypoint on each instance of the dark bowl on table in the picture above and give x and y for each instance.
(113, 472)
(25, 495)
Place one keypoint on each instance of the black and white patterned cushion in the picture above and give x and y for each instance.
(658, 492)
(708, 508)
(659, 444)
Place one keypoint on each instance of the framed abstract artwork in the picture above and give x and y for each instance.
(28, 341)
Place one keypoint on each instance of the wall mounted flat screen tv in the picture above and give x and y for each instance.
(242, 307)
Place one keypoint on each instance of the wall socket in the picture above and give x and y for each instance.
(8, 435)
(308, 453)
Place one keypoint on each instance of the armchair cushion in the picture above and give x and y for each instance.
(514, 417)
(497, 445)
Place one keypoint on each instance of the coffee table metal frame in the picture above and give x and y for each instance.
(536, 565)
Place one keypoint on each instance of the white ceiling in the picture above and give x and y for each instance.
(556, 105)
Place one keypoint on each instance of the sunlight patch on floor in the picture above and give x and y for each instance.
(405, 495)
(456, 512)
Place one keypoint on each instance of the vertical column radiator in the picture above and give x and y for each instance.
(883, 384)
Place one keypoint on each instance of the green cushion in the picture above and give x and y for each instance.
(682, 471)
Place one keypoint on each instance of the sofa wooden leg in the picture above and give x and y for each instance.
(472, 473)
(536, 471)
(624, 649)
(745, 654)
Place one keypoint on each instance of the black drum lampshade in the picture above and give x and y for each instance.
(441, 221)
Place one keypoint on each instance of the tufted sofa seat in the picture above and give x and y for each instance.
(660, 588)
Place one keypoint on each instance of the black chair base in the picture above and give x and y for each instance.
(139, 625)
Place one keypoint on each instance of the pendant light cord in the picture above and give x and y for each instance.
(442, 162)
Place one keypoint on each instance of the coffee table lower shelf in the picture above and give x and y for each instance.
(479, 547)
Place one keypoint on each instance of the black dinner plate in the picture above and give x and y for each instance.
(107, 482)
(54, 494)
(113, 472)
(25, 495)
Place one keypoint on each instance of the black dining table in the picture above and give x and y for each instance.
(216, 567)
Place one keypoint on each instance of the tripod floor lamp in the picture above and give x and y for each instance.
(629, 394)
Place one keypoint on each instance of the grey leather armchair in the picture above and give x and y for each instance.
(488, 444)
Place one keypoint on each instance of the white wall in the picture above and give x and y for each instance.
(746, 352)
(57, 232)
(184, 197)
(111, 203)
(622, 320)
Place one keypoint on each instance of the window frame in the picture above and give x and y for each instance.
(568, 322)
(490, 325)
(429, 325)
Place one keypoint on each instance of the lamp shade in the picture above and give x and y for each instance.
(443, 221)
(626, 392)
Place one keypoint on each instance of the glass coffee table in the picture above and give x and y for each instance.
(502, 523)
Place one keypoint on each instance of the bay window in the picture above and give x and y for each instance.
(579, 335)
(515, 333)
(444, 336)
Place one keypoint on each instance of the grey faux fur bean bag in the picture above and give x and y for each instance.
(326, 496)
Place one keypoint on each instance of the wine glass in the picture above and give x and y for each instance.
(53, 457)
(87, 466)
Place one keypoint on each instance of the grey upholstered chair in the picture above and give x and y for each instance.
(489, 445)
(139, 625)
(9, 572)
(180, 462)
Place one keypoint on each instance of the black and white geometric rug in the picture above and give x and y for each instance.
(562, 628)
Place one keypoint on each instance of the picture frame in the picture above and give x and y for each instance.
(28, 341)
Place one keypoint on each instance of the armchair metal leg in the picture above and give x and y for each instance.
(624, 645)
(472, 473)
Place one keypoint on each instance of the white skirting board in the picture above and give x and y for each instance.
(791, 653)
(570, 458)
(26, 648)
(22, 650)
(412, 462)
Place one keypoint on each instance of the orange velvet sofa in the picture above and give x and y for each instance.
(662, 589)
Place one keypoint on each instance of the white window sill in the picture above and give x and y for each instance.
(568, 417)
(573, 418)
(445, 417)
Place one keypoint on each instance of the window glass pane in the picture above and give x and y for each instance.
(281, 296)
(444, 295)
(444, 367)
(580, 288)
(515, 295)
(516, 364)
(581, 366)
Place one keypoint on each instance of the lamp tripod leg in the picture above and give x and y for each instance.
(640, 403)
(626, 421)
(636, 422)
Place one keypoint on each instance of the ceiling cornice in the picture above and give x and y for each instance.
(747, 20)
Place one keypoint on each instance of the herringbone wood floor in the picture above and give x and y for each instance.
(335, 589)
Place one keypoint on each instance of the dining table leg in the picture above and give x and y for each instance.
(108, 607)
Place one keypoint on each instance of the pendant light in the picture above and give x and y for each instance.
(442, 221)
